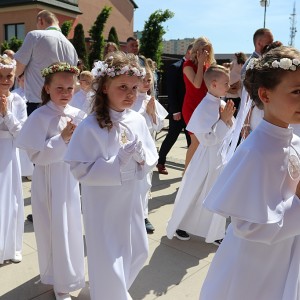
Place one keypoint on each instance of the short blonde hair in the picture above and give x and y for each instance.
(214, 72)
(86, 74)
(49, 17)
(198, 45)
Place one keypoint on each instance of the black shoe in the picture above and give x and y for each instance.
(149, 226)
(218, 242)
(30, 218)
(182, 235)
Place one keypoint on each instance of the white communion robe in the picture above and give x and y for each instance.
(116, 238)
(140, 105)
(202, 172)
(11, 196)
(82, 100)
(55, 198)
(26, 164)
(259, 257)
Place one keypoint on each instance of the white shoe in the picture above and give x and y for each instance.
(62, 296)
(18, 257)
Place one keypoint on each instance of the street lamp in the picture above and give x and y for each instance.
(265, 3)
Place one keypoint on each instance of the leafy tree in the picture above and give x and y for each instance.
(151, 40)
(66, 27)
(79, 43)
(113, 37)
(13, 44)
(96, 33)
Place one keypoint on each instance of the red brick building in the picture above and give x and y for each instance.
(17, 17)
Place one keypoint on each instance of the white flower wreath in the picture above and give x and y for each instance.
(101, 69)
(284, 63)
(7, 66)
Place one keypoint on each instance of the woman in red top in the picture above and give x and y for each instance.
(202, 56)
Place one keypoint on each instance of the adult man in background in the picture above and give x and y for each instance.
(176, 92)
(133, 45)
(40, 49)
(261, 38)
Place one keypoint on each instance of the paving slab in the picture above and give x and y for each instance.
(175, 269)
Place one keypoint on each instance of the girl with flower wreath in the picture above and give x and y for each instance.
(12, 116)
(154, 114)
(55, 194)
(110, 152)
(259, 189)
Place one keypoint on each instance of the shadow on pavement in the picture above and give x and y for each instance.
(27, 291)
(166, 269)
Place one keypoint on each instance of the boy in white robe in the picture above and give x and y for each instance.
(154, 114)
(259, 189)
(110, 152)
(55, 194)
(211, 123)
(12, 116)
(83, 98)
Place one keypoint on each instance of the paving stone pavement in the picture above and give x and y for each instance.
(175, 269)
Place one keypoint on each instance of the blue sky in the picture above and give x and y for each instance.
(229, 24)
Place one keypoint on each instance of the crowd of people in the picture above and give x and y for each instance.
(86, 139)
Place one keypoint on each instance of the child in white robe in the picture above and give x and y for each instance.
(12, 116)
(55, 194)
(259, 257)
(154, 114)
(26, 164)
(211, 123)
(109, 153)
(83, 98)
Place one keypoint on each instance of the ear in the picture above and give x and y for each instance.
(263, 94)
(214, 83)
(47, 89)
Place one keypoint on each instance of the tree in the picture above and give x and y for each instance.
(66, 27)
(151, 40)
(96, 33)
(13, 44)
(113, 37)
(79, 43)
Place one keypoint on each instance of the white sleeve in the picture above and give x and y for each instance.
(215, 135)
(54, 151)
(23, 55)
(14, 120)
(272, 233)
(101, 172)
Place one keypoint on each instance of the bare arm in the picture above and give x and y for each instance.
(197, 78)
(20, 68)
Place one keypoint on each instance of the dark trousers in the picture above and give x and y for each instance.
(31, 107)
(175, 127)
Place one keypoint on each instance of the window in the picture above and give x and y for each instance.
(17, 30)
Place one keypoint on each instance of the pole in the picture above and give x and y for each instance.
(265, 13)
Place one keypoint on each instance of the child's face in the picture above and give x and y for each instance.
(61, 88)
(146, 84)
(121, 91)
(220, 86)
(282, 104)
(7, 77)
(85, 83)
(111, 48)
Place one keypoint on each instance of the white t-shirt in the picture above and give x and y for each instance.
(40, 49)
